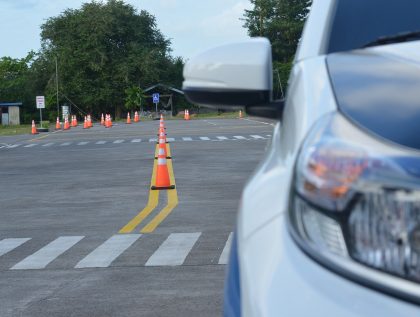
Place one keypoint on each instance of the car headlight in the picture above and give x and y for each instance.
(356, 206)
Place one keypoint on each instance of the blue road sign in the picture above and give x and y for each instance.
(156, 98)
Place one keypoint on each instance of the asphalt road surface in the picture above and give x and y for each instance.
(82, 235)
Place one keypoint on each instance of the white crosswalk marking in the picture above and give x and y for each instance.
(174, 249)
(65, 144)
(13, 146)
(41, 258)
(204, 138)
(48, 144)
(107, 252)
(222, 138)
(7, 245)
(136, 141)
(100, 142)
(240, 137)
(82, 143)
(170, 139)
(152, 140)
(186, 138)
(257, 137)
(30, 145)
(225, 253)
(118, 141)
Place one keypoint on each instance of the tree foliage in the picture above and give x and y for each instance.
(281, 21)
(105, 48)
(105, 52)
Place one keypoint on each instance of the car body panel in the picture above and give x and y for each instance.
(314, 37)
(280, 280)
(368, 82)
(266, 194)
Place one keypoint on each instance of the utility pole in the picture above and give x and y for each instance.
(261, 19)
(56, 85)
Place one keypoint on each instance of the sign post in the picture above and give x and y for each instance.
(65, 111)
(40, 104)
(156, 101)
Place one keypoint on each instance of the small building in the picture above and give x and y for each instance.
(10, 113)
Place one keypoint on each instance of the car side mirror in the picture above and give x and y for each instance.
(234, 75)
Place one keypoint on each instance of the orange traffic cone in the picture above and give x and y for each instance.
(109, 121)
(66, 123)
(57, 124)
(162, 145)
(188, 114)
(185, 114)
(136, 117)
(128, 118)
(240, 114)
(162, 174)
(75, 121)
(102, 119)
(85, 124)
(33, 130)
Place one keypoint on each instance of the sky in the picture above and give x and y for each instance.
(192, 25)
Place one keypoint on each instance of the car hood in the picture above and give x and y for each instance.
(379, 90)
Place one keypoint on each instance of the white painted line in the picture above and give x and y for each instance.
(82, 143)
(269, 135)
(267, 123)
(258, 137)
(225, 253)
(136, 141)
(13, 146)
(240, 137)
(100, 142)
(30, 145)
(152, 140)
(222, 138)
(186, 138)
(170, 139)
(65, 144)
(41, 258)
(7, 245)
(48, 144)
(118, 141)
(174, 249)
(204, 138)
(108, 251)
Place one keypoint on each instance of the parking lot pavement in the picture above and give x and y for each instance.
(68, 194)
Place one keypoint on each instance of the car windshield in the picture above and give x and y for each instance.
(358, 22)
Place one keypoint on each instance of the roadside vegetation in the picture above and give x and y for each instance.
(107, 52)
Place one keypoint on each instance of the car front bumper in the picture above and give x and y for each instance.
(277, 279)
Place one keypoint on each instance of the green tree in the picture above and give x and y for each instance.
(134, 98)
(13, 77)
(104, 48)
(281, 21)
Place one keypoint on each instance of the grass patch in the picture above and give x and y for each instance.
(15, 129)
(215, 115)
(20, 129)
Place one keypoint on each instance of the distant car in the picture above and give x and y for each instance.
(329, 224)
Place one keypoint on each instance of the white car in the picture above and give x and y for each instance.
(329, 224)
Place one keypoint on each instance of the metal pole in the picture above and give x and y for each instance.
(40, 114)
(156, 108)
(172, 110)
(56, 82)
